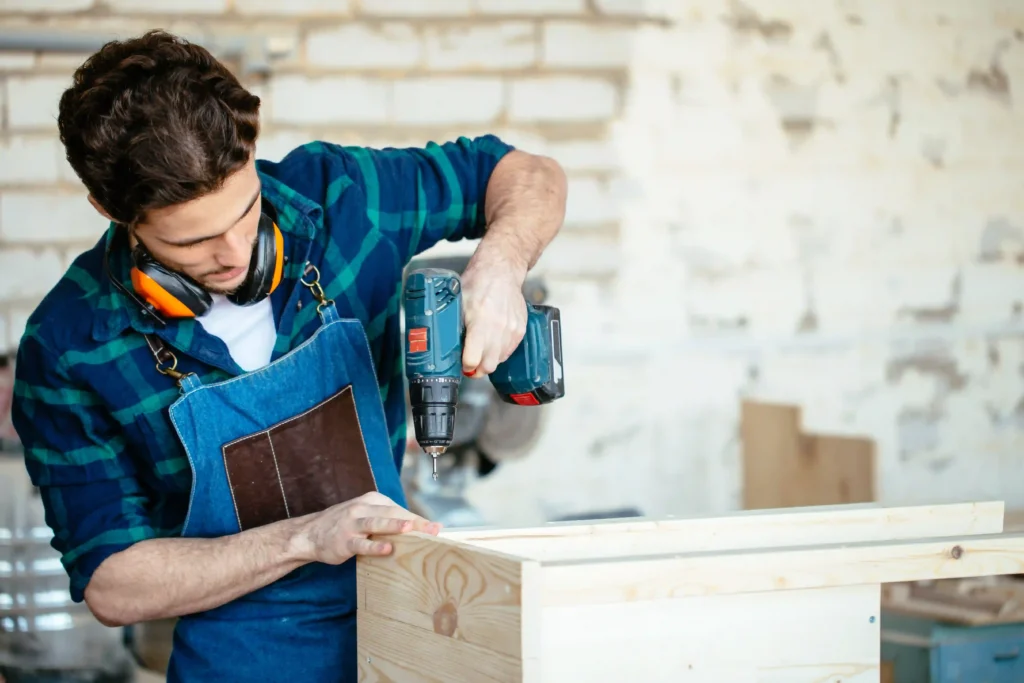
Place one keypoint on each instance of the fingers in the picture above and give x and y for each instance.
(361, 544)
(382, 525)
(472, 350)
(365, 546)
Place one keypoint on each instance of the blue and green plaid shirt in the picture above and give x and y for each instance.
(90, 406)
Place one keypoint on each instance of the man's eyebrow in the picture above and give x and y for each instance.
(197, 240)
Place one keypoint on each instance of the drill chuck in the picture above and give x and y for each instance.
(433, 401)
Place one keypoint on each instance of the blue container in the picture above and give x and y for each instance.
(929, 651)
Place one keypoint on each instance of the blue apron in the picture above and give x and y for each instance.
(297, 436)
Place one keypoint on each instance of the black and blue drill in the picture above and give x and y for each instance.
(435, 332)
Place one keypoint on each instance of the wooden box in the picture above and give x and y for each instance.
(765, 596)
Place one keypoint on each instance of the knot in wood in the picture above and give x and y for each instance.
(957, 552)
(446, 619)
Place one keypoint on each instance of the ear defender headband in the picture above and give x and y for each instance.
(176, 295)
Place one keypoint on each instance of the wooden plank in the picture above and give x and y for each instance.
(440, 587)
(766, 569)
(842, 469)
(390, 651)
(743, 529)
(801, 636)
(770, 437)
(786, 467)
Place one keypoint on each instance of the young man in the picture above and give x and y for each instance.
(211, 399)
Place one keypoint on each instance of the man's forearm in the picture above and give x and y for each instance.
(170, 577)
(525, 208)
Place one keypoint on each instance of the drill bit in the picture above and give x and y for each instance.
(434, 452)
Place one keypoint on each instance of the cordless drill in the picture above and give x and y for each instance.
(435, 332)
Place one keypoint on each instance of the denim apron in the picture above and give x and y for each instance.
(292, 438)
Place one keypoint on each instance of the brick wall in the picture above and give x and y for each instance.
(812, 202)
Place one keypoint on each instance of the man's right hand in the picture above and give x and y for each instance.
(341, 532)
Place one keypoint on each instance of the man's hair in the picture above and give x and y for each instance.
(155, 121)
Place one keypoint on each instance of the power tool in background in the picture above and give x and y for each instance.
(434, 335)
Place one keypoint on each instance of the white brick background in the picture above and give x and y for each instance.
(812, 202)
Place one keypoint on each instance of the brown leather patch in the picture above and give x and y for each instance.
(299, 466)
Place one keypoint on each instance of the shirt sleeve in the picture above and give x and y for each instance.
(76, 456)
(422, 195)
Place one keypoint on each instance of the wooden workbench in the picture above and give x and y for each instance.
(767, 596)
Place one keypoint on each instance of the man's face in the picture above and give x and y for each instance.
(210, 239)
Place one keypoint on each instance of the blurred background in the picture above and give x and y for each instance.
(792, 269)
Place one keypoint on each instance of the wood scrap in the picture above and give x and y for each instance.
(786, 466)
(969, 602)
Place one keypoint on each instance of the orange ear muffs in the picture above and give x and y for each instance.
(176, 295)
(266, 266)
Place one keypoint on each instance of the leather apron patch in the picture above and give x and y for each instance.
(301, 465)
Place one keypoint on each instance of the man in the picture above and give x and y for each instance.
(211, 399)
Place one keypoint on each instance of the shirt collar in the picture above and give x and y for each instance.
(116, 311)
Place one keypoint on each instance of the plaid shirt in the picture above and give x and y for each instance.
(90, 407)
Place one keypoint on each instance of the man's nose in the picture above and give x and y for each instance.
(236, 249)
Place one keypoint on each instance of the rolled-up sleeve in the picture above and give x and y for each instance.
(76, 455)
(419, 196)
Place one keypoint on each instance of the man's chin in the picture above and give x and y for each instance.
(224, 288)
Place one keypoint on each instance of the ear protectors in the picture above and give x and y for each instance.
(176, 295)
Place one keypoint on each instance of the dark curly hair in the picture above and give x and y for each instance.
(155, 121)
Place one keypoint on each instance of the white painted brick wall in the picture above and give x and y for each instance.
(588, 46)
(168, 6)
(32, 101)
(362, 46)
(532, 7)
(295, 7)
(590, 200)
(17, 322)
(16, 61)
(510, 45)
(448, 100)
(30, 160)
(328, 100)
(45, 6)
(26, 273)
(562, 99)
(45, 218)
(417, 8)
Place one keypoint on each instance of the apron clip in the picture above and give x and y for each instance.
(315, 288)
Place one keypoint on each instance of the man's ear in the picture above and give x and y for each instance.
(100, 209)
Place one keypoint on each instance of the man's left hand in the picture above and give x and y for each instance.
(495, 310)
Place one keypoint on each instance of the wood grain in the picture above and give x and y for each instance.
(446, 591)
(852, 523)
(392, 651)
(749, 570)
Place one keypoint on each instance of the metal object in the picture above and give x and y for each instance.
(253, 52)
(44, 636)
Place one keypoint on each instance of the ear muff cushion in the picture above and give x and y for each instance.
(183, 304)
(266, 267)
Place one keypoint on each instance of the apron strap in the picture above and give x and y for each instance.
(159, 350)
(167, 363)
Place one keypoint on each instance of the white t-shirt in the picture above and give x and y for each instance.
(248, 331)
